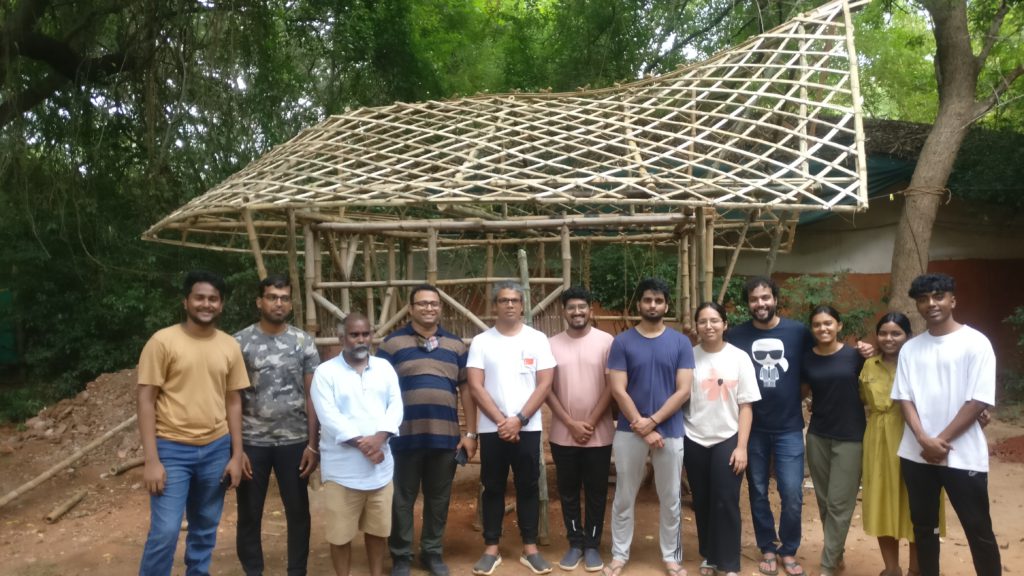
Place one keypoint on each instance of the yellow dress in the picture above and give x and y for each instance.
(885, 507)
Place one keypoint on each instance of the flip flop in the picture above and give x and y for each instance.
(771, 560)
(613, 568)
(707, 569)
(677, 571)
(792, 565)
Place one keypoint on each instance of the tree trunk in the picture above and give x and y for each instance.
(957, 74)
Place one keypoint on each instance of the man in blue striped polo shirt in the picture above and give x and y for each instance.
(431, 366)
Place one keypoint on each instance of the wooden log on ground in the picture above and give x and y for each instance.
(53, 470)
(63, 508)
(118, 469)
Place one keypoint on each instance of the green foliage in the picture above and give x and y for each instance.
(616, 269)
(735, 307)
(1016, 320)
(799, 295)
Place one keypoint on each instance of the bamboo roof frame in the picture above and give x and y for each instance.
(772, 124)
(720, 155)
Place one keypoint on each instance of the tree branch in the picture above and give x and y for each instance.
(982, 107)
(993, 34)
(30, 98)
(689, 37)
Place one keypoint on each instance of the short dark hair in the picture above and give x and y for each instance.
(576, 293)
(898, 318)
(656, 285)
(275, 280)
(421, 288)
(205, 277)
(825, 309)
(931, 284)
(758, 282)
(714, 306)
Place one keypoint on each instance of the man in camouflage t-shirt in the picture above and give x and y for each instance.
(280, 431)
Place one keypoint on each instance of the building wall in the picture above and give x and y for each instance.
(982, 247)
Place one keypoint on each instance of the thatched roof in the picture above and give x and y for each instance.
(743, 132)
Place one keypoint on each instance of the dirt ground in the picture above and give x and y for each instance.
(105, 533)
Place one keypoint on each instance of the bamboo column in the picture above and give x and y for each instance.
(318, 265)
(709, 253)
(371, 303)
(310, 248)
(432, 256)
(293, 269)
(489, 273)
(735, 257)
(776, 241)
(683, 275)
(691, 260)
(701, 254)
(566, 258)
(254, 243)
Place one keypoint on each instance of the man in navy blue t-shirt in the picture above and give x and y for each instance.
(776, 346)
(650, 371)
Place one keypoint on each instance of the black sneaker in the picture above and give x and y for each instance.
(434, 564)
(401, 566)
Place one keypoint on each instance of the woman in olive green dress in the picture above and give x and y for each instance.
(885, 507)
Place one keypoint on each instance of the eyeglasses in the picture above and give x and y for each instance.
(275, 298)
(709, 322)
(507, 301)
(427, 304)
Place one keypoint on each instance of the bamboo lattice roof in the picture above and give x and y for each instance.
(770, 127)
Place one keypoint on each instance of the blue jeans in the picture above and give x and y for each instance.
(193, 488)
(788, 450)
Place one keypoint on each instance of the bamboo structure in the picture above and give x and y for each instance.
(721, 155)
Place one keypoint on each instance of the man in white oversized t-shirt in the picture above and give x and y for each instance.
(509, 371)
(945, 379)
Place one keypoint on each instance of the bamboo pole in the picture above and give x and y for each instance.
(392, 276)
(682, 276)
(254, 243)
(53, 470)
(65, 506)
(524, 279)
(395, 319)
(701, 254)
(443, 282)
(776, 240)
(489, 273)
(293, 269)
(566, 258)
(530, 224)
(463, 310)
(371, 304)
(121, 468)
(310, 247)
(547, 301)
(734, 258)
(432, 256)
(330, 307)
(691, 259)
(709, 255)
(346, 255)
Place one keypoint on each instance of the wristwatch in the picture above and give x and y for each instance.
(471, 435)
(523, 420)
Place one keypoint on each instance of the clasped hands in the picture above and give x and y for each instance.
(644, 427)
(371, 446)
(508, 429)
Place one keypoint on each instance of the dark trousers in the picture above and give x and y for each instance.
(716, 502)
(284, 461)
(586, 468)
(968, 493)
(523, 457)
(433, 470)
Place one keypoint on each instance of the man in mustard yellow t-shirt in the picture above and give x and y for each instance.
(190, 421)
